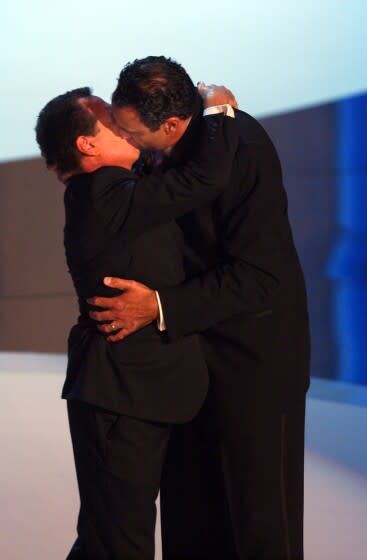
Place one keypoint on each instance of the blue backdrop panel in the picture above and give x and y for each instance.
(348, 262)
(324, 155)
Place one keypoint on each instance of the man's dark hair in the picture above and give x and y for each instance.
(157, 88)
(58, 126)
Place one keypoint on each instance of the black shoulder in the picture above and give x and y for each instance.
(96, 184)
(250, 129)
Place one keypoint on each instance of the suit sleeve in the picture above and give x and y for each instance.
(133, 205)
(249, 266)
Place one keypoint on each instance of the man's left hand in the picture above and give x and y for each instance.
(128, 312)
(216, 95)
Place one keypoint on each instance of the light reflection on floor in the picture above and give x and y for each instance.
(38, 493)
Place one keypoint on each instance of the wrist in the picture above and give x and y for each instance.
(226, 110)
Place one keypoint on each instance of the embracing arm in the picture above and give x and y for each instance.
(216, 295)
(245, 277)
(254, 247)
(132, 205)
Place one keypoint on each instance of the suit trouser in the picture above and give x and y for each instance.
(118, 463)
(237, 473)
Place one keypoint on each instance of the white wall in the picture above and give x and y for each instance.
(276, 55)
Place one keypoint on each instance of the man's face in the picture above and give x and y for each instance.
(128, 121)
(113, 146)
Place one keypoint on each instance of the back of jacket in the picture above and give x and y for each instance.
(121, 225)
(247, 285)
(144, 375)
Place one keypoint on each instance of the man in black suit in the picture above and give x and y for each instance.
(124, 398)
(233, 487)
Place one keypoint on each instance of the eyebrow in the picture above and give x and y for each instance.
(129, 130)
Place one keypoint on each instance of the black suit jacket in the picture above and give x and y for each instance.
(120, 225)
(245, 293)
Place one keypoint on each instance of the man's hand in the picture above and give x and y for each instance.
(216, 95)
(128, 312)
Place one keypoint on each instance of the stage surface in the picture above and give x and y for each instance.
(38, 493)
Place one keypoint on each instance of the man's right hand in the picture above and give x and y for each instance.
(216, 95)
(136, 307)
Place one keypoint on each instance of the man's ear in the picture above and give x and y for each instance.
(86, 145)
(171, 125)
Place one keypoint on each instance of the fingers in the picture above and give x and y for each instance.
(102, 315)
(201, 87)
(114, 330)
(213, 94)
(120, 335)
(100, 302)
(234, 103)
(226, 93)
(120, 283)
(108, 328)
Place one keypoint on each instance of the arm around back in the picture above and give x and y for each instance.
(133, 205)
(254, 246)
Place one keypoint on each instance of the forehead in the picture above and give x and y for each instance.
(100, 108)
(128, 118)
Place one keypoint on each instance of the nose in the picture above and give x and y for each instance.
(130, 140)
(119, 132)
(126, 136)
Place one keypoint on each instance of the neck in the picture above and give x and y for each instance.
(88, 165)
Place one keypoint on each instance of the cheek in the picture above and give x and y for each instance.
(152, 141)
(122, 145)
(134, 153)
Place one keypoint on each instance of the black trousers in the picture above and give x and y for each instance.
(118, 463)
(232, 485)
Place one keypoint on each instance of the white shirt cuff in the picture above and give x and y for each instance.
(160, 322)
(215, 109)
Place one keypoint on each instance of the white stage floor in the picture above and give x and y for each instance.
(38, 493)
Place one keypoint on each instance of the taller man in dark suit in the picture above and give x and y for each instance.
(124, 398)
(234, 483)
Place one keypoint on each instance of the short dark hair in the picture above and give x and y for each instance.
(58, 126)
(157, 88)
